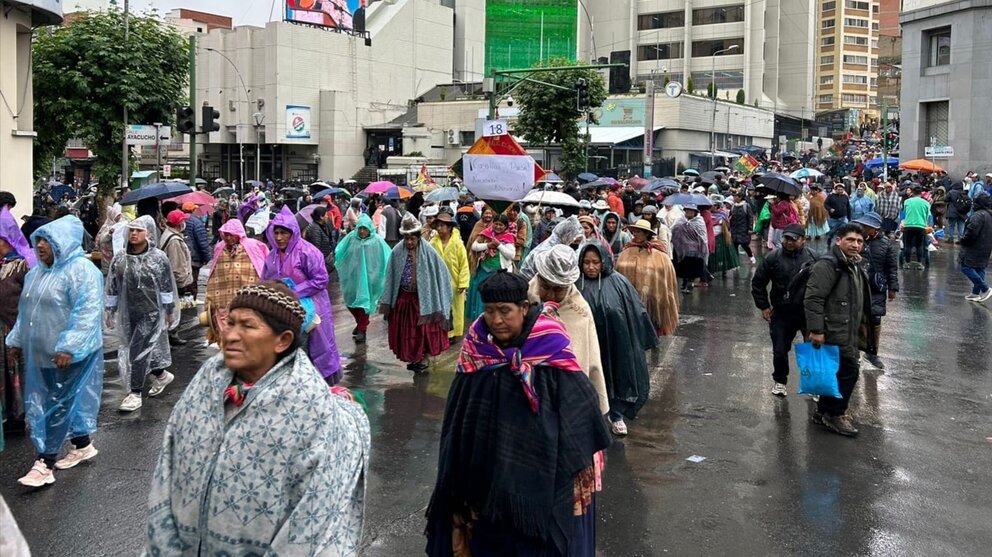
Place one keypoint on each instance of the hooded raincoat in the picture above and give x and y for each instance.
(59, 312)
(625, 332)
(304, 263)
(13, 270)
(363, 277)
(231, 268)
(565, 233)
(143, 303)
(617, 240)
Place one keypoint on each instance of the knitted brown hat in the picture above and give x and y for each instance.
(273, 300)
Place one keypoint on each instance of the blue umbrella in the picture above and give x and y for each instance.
(587, 177)
(877, 163)
(690, 172)
(678, 199)
(442, 195)
(330, 191)
(551, 178)
(661, 185)
(162, 190)
(806, 173)
(60, 190)
(700, 200)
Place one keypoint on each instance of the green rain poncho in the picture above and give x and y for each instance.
(361, 265)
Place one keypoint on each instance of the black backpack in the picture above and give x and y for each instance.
(962, 203)
(797, 286)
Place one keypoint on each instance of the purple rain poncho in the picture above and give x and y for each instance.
(304, 263)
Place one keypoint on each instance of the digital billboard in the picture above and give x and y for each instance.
(339, 14)
(519, 33)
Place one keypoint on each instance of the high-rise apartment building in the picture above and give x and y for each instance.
(847, 55)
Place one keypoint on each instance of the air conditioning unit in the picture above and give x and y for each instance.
(453, 137)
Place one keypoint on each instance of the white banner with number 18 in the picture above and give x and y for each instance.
(495, 127)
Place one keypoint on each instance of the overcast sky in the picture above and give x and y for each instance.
(244, 12)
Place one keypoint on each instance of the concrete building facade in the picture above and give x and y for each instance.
(847, 55)
(315, 92)
(947, 82)
(17, 114)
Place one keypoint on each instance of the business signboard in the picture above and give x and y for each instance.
(622, 113)
(297, 122)
(340, 14)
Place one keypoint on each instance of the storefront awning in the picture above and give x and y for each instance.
(612, 136)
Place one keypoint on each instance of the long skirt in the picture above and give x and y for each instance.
(725, 258)
(488, 540)
(409, 341)
(473, 303)
(690, 268)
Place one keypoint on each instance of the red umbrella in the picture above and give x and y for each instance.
(198, 197)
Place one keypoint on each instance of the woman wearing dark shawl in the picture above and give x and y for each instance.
(691, 247)
(625, 332)
(516, 472)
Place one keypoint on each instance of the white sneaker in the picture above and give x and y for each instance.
(76, 456)
(38, 476)
(972, 297)
(160, 383)
(985, 296)
(131, 402)
(779, 390)
(752, 260)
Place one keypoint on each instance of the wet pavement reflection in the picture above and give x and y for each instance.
(915, 482)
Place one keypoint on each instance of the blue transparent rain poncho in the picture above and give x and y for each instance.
(60, 311)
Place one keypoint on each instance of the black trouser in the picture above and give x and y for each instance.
(914, 239)
(847, 378)
(783, 327)
(746, 246)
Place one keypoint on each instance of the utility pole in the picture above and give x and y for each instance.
(648, 128)
(713, 84)
(158, 149)
(885, 141)
(259, 118)
(125, 163)
(192, 103)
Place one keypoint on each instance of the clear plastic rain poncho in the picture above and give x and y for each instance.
(142, 305)
(59, 311)
(565, 233)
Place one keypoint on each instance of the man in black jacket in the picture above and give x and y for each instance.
(838, 206)
(976, 248)
(881, 262)
(837, 305)
(784, 317)
(318, 234)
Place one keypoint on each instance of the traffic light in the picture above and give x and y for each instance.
(185, 119)
(208, 122)
(582, 94)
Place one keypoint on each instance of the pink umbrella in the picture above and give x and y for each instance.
(307, 212)
(637, 182)
(198, 197)
(379, 187)
(203, 210)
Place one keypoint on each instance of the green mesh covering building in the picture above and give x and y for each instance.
(514, 31)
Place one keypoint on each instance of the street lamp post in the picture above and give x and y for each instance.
(259, 118)
(713, 82)
(241, 151)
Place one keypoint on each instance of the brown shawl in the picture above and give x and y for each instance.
(653, 276)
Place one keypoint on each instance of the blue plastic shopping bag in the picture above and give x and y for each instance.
(818, 369)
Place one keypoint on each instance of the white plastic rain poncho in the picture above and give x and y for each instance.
(142, 304)
(565, 233)
(59, 312)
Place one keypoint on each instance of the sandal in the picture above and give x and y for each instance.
(618, 428)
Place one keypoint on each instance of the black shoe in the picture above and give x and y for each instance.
(816, 416)
(418, 367)
(841, 425)
(359, 338)
(874, 360)
(355, 331)
(174, 340)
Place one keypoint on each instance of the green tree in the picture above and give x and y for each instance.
(711, 90)
(741, 99)
(667, 80)
(84, 72)
(690, 87)
(549, 115)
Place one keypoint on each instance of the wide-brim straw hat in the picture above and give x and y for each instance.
(643, 225)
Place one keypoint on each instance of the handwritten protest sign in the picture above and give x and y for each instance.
(499, 177)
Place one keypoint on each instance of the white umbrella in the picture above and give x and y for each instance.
(806, 173)
(554, 198)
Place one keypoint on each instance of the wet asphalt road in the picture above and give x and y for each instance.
(916, 481)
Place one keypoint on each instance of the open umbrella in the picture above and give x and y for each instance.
(921, 165)
(778, 183)
(661, 185)
(226, 191)
(198, 197)
(806, 173)
(200, 182)
(600, 183)
(723, 169)
(307, 212)
(332, 192)
(637, 182)
(381, 186)
(710, 177)
(162, 190)
(552, 178)
(389, 190)
(877, 163)
(553, 198)
(587, 177)
(293, 192)
(60, 190)
(317, 186)
(678, 199)
(700, 200)
(441, 195)
(690, 172)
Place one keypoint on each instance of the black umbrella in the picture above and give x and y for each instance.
(162, 190)
(779, 183)
(587, 177)
(666, 185)
(595, 184)
(225, 191)
(293, 192)
(710, 177)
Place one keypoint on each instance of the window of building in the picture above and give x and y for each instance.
(826, 60)
(855, 5)
(936, 114)
(874, 62)
(856, 79)
(855, 22)
(661, 51)
(827, 24)
(826, 99)
(709, 48)
(829, 6)
(938, 44)
(874, 43)
(856, 99)
(725, 79)
(856, 40)
(721, 14)
(873, 82)
(827, 41)
(826, 79)
(874, 26)
(664, 20)
(851, 59)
